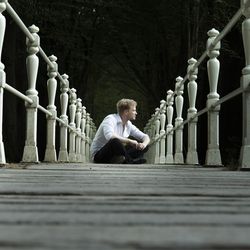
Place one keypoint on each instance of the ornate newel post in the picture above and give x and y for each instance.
(192, 156)
(156, 154)
(162, 131)
(83, 141)
(78, 129)
(63, 152)
(178, 156)
(72, 134)
(245, 80)
(30, 153)
(170, 110)
(50, 152)
(87, 137)
(213, 156)
(2, 79)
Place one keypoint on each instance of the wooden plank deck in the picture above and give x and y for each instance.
(99, 207)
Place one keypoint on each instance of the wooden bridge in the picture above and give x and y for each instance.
(63, 201)
(75, 127)
(88, 206)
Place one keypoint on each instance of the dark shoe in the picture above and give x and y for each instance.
(139, 161)
(118, 159)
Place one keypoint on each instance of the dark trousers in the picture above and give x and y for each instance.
(114, 147)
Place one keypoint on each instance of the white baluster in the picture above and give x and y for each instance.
(72, 135)
(50, 152)
(170, 110)
(91, 130)
(192, 155)
(178, 156)
(78, 129)
(157, 134)
(63, 152)
(245, 80)
(213, 156)
(162, 132)
(83, 142)
(147, 130)
(2, 80)
(87, 137)
(30, 153)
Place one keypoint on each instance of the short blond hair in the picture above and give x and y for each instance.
(125, 104)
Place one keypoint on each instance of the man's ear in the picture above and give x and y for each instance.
(126, 111)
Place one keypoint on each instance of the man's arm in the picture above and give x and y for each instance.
(125, 140)
(144, 143)
(143, 138)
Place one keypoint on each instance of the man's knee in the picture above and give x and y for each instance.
(117, 146)
(115, 141)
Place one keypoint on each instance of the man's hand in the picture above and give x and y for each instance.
(133, 143)
(140, 146)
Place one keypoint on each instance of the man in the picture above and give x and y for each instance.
(113, 142)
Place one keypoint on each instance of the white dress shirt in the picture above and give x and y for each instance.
(112, 125)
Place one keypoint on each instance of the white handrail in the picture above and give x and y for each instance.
(18, 93)
(68, 126)
(213, 155)
(218, 38)
(19, 21)
(223, 99)
(26, 31)
(44, 110)
(33, 99)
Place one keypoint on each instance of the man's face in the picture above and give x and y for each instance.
(131, 113)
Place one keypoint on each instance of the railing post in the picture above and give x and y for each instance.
(170, 110)
(2, 79)
(156, 151)
(50, 152)
(87, 137)
(83, 141)
(178, 156)
(78, 129)
(30, 153)
(152, 132)
(91, 134)
(63, 152)
(192, 156)
(162, 132)
(213, 156)
(72, 134)
(245, 82)
(149, 129)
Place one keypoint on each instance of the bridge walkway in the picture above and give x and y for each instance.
(112, 207)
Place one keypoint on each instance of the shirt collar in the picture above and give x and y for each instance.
(119, 120)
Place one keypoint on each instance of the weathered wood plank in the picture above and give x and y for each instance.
(98, 207)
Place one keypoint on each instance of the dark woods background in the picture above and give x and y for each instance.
(123, 48)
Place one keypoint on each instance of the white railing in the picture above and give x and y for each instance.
(162, 135)
(81, 128)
